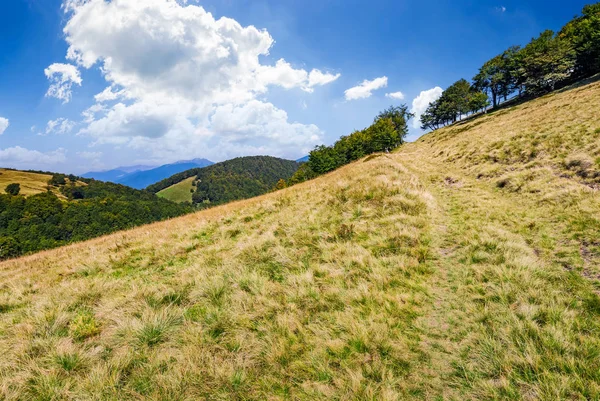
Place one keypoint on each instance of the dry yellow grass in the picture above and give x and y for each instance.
(31, 183)
(463, 266)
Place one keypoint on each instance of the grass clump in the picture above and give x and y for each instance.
(156, 327)
(69, 362)
(84, 326)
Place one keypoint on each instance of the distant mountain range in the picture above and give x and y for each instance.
(140, 177)
(303, 159)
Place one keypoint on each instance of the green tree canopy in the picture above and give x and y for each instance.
(584, 35)
(42, 221)
(491, 78)
(13, 189)
(547, 60)
(456, 98)
(57, 180)
(478, 101)
(399, 115)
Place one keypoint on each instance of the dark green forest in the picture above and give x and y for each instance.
(548, 62)
(91, 208)
(240, 178)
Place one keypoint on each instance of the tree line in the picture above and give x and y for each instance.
(548, 62)
(387, 132)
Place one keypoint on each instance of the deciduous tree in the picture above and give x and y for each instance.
(13, 189)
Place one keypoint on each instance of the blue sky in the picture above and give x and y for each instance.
(184, 85)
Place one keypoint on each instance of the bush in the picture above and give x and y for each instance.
(13, 189)
(281, 184)
(57, 180)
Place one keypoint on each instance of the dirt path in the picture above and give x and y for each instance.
(502, 305)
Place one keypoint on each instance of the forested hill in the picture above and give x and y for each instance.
(235, 179)
(69, 209)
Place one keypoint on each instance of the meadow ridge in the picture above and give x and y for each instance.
(180, 192)
(461, 266)
(31, 183)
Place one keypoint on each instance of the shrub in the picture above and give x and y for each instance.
(13, 189)
(281, 184)
(57, 180)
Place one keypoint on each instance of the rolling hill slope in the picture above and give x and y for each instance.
(462, 266)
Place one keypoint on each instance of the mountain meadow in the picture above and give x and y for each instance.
(461, 266)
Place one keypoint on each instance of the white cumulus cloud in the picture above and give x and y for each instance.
(258, 119)
(173, 71)
(59, 126)
(421, 102)
(18, 157)
(319, 78)
(62, 78)
(366, 88)
(283, 74)
(4, 123)
(108, 95)
(395, 95)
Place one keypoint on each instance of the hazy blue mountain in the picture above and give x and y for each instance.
(109, 176)
(302, 159)
(116, 174)
(139, 167)
(140, 176)
(141, 179)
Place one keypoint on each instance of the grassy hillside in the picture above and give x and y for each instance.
(461, 267)
(31, 183)
(180, 192)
